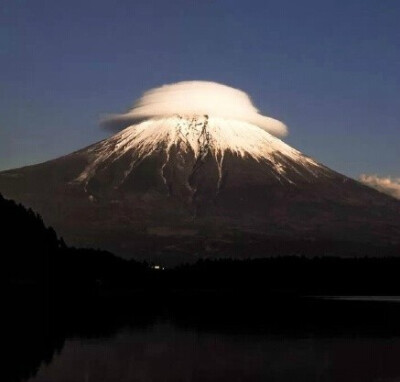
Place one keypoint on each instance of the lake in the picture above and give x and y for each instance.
(165, 352)
(307, 341)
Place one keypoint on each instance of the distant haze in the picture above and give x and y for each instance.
(388, 185)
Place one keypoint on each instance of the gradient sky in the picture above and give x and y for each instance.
(329, 69)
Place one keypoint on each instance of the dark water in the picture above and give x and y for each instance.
(167, 353)
(290, 341)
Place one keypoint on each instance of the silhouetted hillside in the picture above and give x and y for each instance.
(34, 256)
(292, 275)
(27, 244)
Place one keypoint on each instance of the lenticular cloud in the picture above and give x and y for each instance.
(196, 98)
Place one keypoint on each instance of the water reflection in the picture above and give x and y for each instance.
(303, 341)
(168, 353)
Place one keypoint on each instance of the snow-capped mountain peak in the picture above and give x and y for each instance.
(199, 137)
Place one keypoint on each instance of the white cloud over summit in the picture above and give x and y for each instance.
(388, 185)
(196, 98)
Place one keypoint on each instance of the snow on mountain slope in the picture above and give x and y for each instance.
(199, 136)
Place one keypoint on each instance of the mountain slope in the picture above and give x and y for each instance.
(191, 185)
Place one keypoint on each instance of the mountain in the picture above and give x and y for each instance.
(185, 186)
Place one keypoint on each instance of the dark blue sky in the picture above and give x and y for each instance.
(330, 69)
